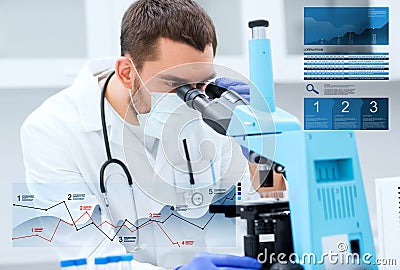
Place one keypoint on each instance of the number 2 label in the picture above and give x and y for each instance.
(346, 105)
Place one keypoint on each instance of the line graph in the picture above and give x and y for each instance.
(127, 226)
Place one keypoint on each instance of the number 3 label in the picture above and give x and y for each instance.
(374, 107)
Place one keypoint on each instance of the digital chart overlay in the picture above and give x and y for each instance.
(346, 25)
(38, 226)
(346, 43)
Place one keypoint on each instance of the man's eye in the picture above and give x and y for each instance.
(173, 84)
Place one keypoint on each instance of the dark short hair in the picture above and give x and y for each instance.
(145, 21)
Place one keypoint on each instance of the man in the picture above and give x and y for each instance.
(63, 144)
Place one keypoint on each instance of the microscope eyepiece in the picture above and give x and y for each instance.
(183, 91)
(214, 91)
(189, 93)
(216, 107)
(193, 97)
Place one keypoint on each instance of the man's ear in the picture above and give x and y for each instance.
(123, 68)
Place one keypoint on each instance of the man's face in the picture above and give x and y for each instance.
(173, 68)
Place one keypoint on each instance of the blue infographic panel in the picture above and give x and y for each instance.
(346, 113)
(346, 25)
(346, 66)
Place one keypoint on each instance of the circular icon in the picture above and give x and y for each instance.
(310, 88)
(197, 198)
(342, 247)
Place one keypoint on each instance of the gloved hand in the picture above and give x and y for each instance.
(209, 261)
(239, 87)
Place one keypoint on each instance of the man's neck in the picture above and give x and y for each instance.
(119, 99)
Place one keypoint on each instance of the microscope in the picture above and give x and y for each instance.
(324, 223)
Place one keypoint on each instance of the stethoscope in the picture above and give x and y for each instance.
(110, 160)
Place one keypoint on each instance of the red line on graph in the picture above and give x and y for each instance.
(101, 224)
(140, 227)
(173, 243)
(58, 224)
(26, 236)
(157, 215)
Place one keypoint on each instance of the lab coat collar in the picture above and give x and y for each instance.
(87, 93)
(86, 90)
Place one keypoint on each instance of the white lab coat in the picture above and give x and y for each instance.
(63, 151)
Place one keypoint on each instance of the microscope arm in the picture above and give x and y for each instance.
(327, 197)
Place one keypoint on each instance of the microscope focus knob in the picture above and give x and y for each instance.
(259, 29)
(258, 23)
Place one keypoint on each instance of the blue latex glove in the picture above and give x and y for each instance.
(209, 261)
(239, 87)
